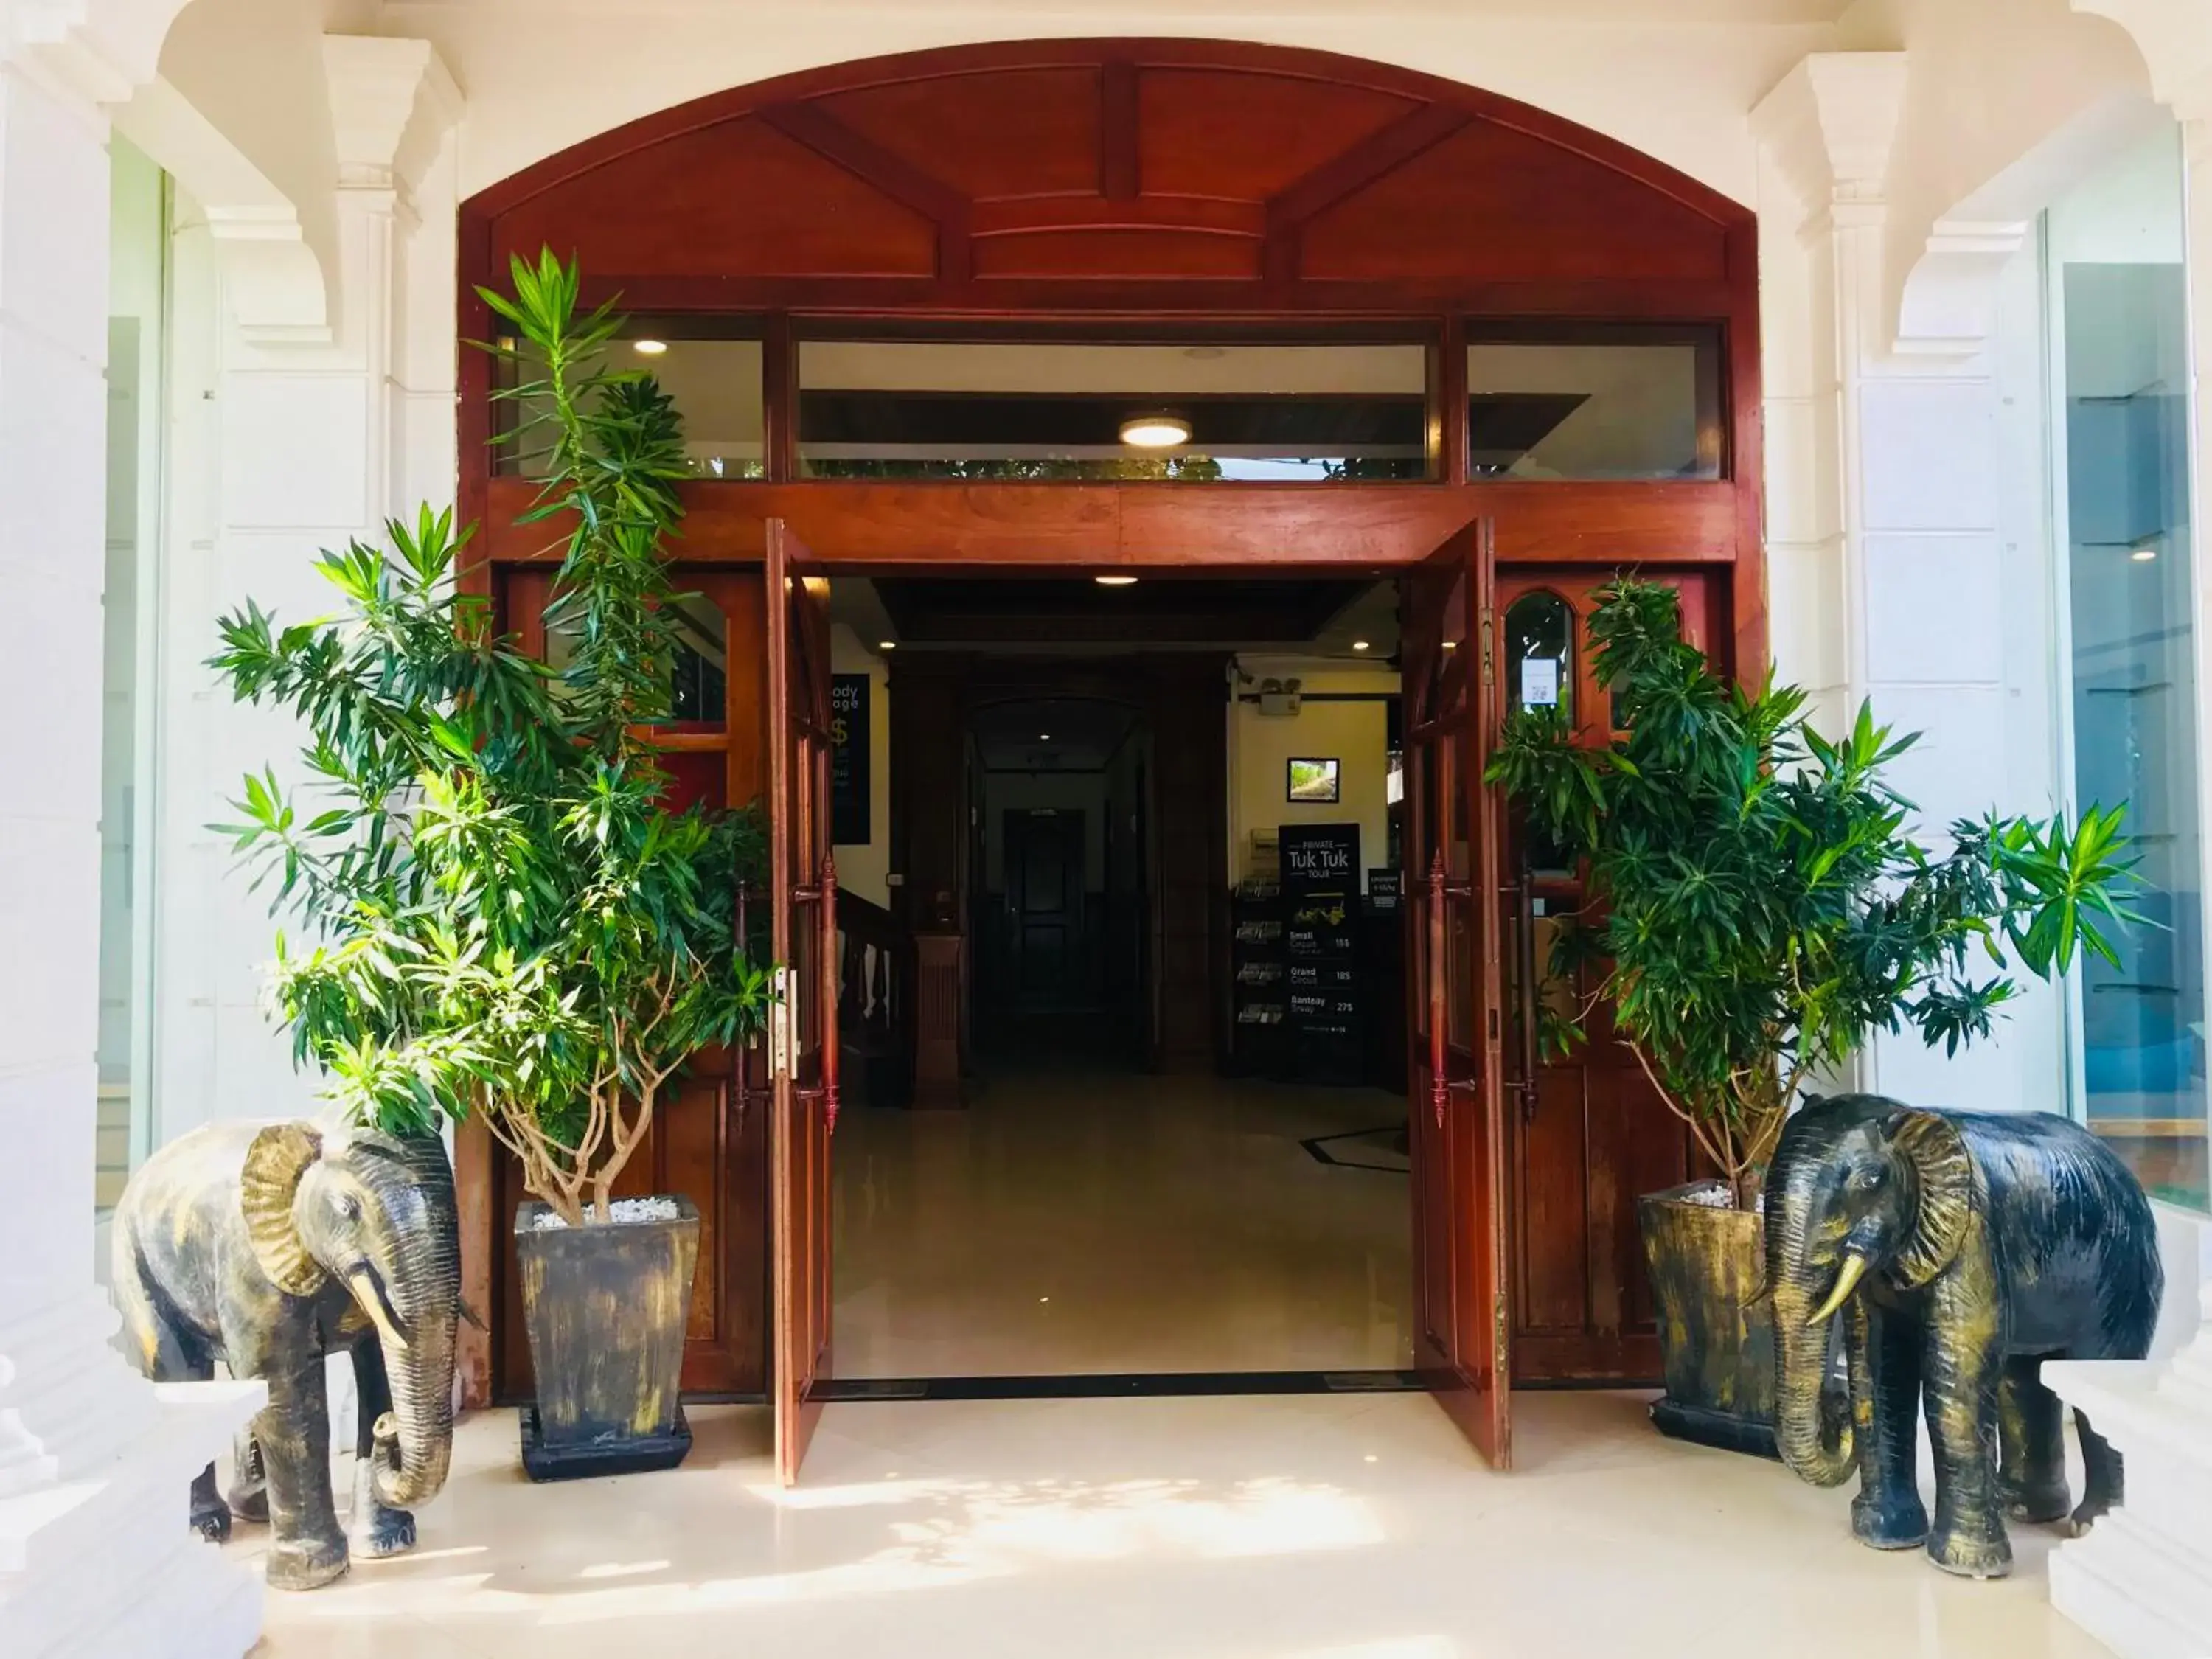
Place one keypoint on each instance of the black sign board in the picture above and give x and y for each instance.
(1384, 889)
(849, 760)
(1320, 911)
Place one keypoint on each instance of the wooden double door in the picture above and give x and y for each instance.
(1527, 1266)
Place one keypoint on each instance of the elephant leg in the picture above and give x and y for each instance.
(294, 1431)
(1961, 1368)
(2104, 1476)
(376, 1531)
(168, 1352)
(2032, 1437)
(249, 1490)
(210, 1514)
(1884, 1353)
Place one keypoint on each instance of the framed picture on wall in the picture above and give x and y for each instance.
(1314, 782)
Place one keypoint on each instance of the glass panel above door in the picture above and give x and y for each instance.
(1007, 412)
(1593, 402)
(716, 384)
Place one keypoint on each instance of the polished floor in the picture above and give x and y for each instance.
(1080, 1218)
(1315, 1526)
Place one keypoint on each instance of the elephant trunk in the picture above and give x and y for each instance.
(414, 1450)
(1812, 1427)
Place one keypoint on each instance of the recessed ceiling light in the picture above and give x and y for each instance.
(1360, 645)
(886, 645)
(1044, 737)
(648, 347)
(2143, 555)
(1115, 582)
(1155, 430)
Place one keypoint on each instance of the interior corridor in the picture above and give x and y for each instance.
(1081, 1219)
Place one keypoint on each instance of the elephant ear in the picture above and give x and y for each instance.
(275, 1162)
(1932, 1145)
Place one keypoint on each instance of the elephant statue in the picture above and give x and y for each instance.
(269, 1246)
(1963, 1249)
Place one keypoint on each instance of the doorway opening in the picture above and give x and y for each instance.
(1059, 790)
(1176, 1158)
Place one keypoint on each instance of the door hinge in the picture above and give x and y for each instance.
(1489, 668)
(1501, 1344)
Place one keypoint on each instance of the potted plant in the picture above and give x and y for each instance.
(504, 918)
(1757, 904)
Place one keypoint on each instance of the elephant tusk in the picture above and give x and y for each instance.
(1847, 1280)
(370, 1295)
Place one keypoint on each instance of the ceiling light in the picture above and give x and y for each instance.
(648, 347)
(1044, 737)
(1115, 582)
(1155, 430)
(886, 645)
(1360, 645)
(2143, 555)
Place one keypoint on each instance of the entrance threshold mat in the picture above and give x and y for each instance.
(850, 1390)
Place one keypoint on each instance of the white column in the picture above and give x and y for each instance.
(2140, 1582)
(312, 442)
(96, 1556)
(1894, 509)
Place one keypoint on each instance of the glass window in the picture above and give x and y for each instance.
(943, 409)
(138, 214)
(698, 690)
(717, 384)
(2120, 366)
(1624, 401)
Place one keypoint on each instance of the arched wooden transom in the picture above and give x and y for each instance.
(1105, 172)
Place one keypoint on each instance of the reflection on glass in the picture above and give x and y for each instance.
(699, 682)
(1540, 631)
(1591, 403)
(1039, 410)
(2118, 293)
(138, 223)
(716, 386)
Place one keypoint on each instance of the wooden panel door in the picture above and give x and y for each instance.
(803, 1026)
(1044, 892)
(1460, 1288)
(1586, 1131)
(709, 1140)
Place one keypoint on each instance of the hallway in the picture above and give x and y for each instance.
(1078, 1219)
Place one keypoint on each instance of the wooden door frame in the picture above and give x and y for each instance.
(1345, 529)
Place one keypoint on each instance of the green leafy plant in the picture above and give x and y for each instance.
(1758, 905)
(502, 915)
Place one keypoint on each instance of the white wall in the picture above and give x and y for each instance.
(1261, 747)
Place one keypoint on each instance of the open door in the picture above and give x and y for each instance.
(1462, 1320)
(803, 1026)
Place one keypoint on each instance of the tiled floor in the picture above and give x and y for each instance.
(1285, 1528)
(1083, 1219)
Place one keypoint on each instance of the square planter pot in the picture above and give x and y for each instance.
(1715, 1340)
(606, 1307)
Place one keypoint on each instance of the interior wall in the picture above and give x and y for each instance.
(1261, 747)
(863, 869)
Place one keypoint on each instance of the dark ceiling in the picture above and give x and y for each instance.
(1080, 611)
